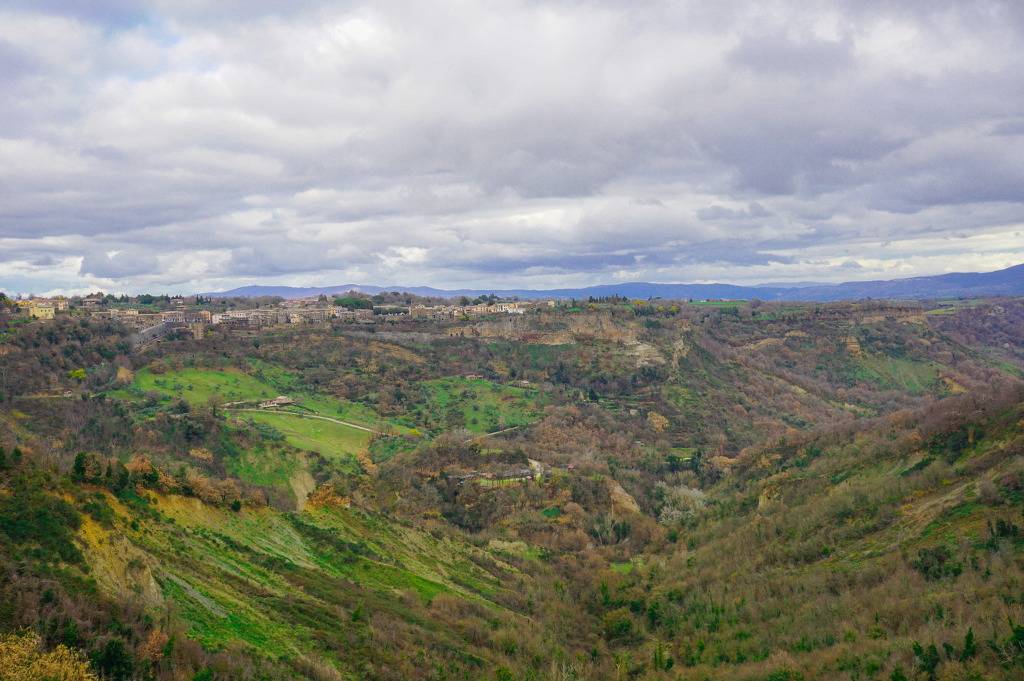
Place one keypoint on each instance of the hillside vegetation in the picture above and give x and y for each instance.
(612, 489)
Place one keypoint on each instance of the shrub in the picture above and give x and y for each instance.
(784, 675)
(927, 659)
(114, 660)
(24, 660)
(618, 624)
(32, 518)
(936, 562)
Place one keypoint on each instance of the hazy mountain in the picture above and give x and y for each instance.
(1009, 281)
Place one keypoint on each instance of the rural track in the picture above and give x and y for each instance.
(487, 435)
(57, 396)
(311, 416)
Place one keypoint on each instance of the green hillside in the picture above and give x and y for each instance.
(280, 583)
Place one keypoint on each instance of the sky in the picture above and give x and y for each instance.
(185, 145)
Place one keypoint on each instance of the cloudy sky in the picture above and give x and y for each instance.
(184, 145)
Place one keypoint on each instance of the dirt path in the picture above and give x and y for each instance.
(42, 396)
(194, 594)
(311, 416)
(302, 484)
(487, 435)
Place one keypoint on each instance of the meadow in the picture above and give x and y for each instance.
(335, 442)
(196, 386)
(476, 404)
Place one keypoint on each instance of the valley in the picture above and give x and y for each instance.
(608, 488)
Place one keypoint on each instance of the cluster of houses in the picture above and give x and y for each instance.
(151, 326)
(457, 311)
(306, 312)
(43, 308)
(289, 315)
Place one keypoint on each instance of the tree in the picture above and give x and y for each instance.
(927, 658)
(618, 624)
(114, 660)
(657, 422)
(78, 469)
(970, 647)
(354, 302)
(214, 403)
(936, 562)
(24, 660)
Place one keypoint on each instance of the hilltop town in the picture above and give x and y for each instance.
(155, 317)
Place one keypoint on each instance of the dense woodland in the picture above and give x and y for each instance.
(608, 489)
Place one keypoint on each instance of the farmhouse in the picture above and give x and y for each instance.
(309, 315)
(41, 311)
(429, 312)
(279, 401)
(353, 315)
(250, 318)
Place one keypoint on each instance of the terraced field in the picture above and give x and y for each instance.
(900, 373)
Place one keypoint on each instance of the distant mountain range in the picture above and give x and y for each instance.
(1007, 282)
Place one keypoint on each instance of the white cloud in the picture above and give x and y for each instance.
(208, 144)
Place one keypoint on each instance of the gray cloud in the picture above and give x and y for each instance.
(188, 145)
(118, 264)
(753, 211)
(779, 55)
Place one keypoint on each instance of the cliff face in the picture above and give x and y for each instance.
(551, 331)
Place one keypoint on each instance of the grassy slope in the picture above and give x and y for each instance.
(267, 467)
(483, 406)
(335, 442)
(283, 583)
(916, 377)
(196, 386)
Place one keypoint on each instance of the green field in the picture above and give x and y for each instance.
(680, 397)
(898, 372)
(269, 468)
(476, 404)
(197, 386)
(344, 410)
(333, 441)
